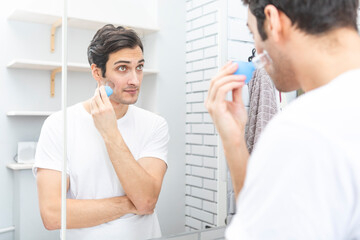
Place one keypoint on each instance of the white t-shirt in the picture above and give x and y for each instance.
(91, 173)
(303, 178)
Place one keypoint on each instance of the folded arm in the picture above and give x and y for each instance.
(80, 213)
(142, 179)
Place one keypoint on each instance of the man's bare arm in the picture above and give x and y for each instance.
(141, 180)
(237, 156)
(230, 118)
(80, 213)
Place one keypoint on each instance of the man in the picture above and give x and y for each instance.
(116, 151)
(302, 180)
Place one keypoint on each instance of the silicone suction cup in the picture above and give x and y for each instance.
(245, 68)
(108, 90)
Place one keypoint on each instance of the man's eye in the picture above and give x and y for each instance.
(122, 68)
(140, 67)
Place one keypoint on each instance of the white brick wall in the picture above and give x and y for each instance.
(204, 43)
(202, 48)
(201, 139)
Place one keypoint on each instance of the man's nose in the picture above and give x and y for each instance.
(134, 78)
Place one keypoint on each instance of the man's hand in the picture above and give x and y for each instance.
(229, 116)
(103, 113)
(141, 179)
(230, 119)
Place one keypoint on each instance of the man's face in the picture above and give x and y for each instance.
(124, 74)
(281, 67)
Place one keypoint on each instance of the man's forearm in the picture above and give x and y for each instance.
(82, 213)
(88, 213)
(138, 184)
(237, 156)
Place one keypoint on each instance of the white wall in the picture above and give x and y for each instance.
(30, 90)
(131, 12)
(26, 90)
(170, 49)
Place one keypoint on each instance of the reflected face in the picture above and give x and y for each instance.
(281, 69)
(124, 74)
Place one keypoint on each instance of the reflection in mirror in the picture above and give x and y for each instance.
(145, 145)
(123, 147)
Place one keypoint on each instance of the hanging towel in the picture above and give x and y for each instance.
(263, 106)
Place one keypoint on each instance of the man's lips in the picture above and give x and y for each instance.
(130, 90)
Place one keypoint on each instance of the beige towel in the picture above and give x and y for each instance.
(262, 107)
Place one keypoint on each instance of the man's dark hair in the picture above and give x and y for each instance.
(109, 39)
(311, 16)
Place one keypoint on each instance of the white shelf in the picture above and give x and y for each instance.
(29, 113)
(46, 65)
(20, 166)
(149, 71)
(8, 229)
(43, 18)
(49, 65)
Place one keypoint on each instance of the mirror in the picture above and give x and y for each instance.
(184, 43)
(33, 76)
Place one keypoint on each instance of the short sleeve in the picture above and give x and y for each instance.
(157, 145)
(294, 188)
(49, 151)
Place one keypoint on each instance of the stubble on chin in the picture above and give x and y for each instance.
(282, 74)
(125, 101)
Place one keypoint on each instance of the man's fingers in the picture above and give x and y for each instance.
(224, 89)
(93, 106)
(237, 96)
(104, 96)
(225, 80)
(227, 69)
(98, 100)
(220, 98)
(225, 66)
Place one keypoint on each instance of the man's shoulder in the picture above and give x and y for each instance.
(146, 115)
(326, 106)
(56, 118)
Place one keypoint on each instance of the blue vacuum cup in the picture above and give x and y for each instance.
(245, 68)
(108, 90)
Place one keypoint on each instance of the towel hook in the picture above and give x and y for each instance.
(253, 51)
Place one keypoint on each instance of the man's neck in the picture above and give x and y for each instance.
(319, 60)
(120, 109)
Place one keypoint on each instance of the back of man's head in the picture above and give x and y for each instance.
(310, 16)
(110, 39)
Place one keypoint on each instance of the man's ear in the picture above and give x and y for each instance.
(96, 73)
(276, 23)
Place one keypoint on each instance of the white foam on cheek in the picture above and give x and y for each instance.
(110, 84)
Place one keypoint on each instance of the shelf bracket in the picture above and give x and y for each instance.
(54, 26)
(52, 80)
